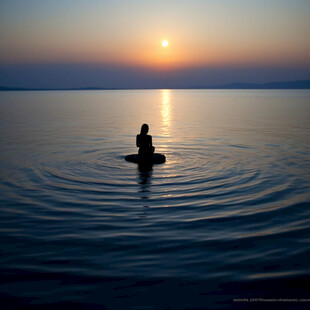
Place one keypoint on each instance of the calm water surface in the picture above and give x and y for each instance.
(230, 205)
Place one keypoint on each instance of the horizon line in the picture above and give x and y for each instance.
(296, 84)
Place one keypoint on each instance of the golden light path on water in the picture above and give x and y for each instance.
(166, 111)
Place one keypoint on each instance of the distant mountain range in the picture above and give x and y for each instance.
(302, 84)
(4, 88)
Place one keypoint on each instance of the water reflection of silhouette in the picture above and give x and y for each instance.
(145, 175)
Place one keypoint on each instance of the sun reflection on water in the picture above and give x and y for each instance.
(166, 111)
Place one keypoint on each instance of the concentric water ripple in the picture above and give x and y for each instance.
(233, 205)
(202, 206)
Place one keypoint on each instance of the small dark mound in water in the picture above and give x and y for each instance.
(151, 159)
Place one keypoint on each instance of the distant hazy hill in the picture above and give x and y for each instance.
(302, 84)
(3, 88)
(10, 88)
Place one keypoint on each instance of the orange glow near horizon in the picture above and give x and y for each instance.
(151, 54)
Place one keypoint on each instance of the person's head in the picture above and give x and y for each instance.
(144, 129)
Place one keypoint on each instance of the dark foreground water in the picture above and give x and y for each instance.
(226, 217)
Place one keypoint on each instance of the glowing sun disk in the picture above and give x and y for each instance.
(164, 43)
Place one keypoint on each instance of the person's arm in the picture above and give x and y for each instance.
(138, 141)
(151, 141)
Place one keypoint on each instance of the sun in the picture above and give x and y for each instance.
(164, 43)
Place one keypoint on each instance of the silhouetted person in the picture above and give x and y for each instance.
(144, 141)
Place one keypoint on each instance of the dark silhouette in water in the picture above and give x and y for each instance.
(144, 141)
(146, 156)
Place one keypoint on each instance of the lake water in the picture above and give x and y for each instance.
(227, 215)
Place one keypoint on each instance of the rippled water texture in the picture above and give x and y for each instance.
(231, 202)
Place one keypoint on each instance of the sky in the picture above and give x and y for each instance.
(117, 43)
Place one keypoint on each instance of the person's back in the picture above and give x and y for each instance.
(144, 141)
